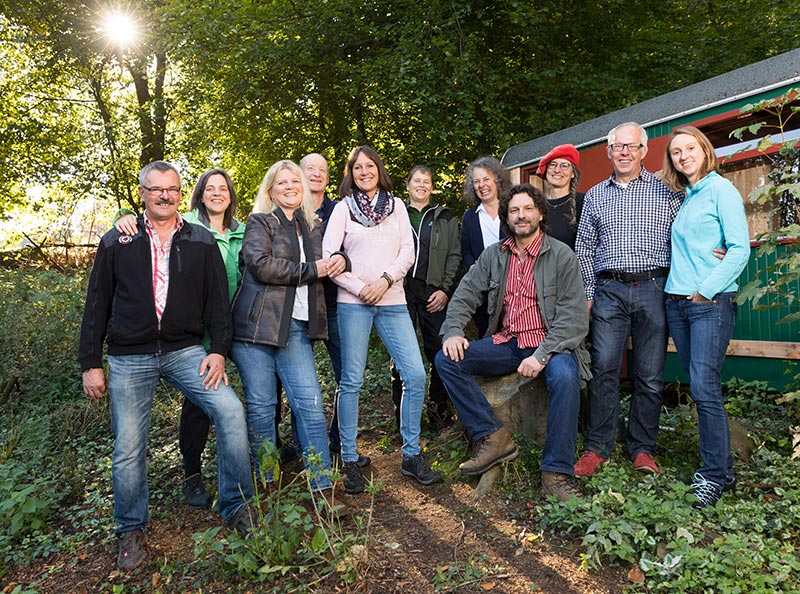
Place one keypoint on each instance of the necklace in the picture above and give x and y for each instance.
(557, 202)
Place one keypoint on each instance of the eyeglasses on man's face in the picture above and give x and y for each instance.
(172, 191)
(633, 147)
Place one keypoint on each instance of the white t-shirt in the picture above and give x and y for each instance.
(300, 309)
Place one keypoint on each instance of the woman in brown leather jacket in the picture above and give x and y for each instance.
(279, 309)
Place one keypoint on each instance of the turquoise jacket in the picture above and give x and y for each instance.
(711, 216)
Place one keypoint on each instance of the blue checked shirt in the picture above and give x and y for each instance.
(625, 228)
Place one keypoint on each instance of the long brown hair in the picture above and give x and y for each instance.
(348, 185)
(200, 188)
(674, 179)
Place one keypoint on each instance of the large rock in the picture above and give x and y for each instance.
(520, 402)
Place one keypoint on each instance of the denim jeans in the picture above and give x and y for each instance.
(294, 365)
(417, 295)
(334, 344)
(487, 359)
(334, 347)
(396, 331)
(132, 381)
(621, 310)
(702, 332)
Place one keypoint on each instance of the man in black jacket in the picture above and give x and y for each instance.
(150, 297)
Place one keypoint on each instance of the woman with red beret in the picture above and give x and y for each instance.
(559, 170)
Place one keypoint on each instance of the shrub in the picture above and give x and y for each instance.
(39, 336)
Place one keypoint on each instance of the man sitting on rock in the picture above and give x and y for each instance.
(537, 321)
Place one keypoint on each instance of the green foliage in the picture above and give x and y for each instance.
(25, 501)
(240, 85)
(457, 575)
(39, 335)
(747, 543)
(296, 534)
(782, 191)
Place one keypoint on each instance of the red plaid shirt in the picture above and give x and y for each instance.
(521, 315)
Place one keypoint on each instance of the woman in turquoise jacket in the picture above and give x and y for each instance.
(700, 294)
(212, 205)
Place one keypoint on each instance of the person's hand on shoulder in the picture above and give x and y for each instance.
(127, 224)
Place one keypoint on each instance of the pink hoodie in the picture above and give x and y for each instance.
(387, 247)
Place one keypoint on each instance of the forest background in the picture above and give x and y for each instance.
(87, 99)
(90, 91)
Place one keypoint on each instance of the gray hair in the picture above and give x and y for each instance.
(304, 160)
(501, 177)
(642, 132)
(158, 166)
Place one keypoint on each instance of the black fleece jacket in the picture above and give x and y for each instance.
(120, 306)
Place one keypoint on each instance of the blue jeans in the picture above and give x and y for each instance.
(487, 359)
(702, 332)
(294, 365)
(334, 347)
(621, 310)
(334, 344)
(396, 331)
(132, 381)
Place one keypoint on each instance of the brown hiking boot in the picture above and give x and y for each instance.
(131, 549)
(563, 486)
(492, 449)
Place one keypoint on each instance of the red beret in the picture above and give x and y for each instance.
(562, 151)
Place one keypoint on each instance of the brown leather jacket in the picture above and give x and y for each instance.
(272, 271)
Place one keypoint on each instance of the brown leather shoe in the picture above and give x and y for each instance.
(563, 486)
(492, 449)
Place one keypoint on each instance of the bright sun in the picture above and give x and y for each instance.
(120, 28)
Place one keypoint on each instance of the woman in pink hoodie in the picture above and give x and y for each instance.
(372, 227)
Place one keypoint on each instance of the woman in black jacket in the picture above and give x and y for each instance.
(278, 310)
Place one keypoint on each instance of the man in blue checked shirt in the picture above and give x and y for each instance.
(623, 247)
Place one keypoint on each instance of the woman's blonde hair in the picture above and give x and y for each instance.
(264, 203)
(674, 179)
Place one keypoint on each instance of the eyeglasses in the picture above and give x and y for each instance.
(172, 191)
(631, 146)
(565, 166)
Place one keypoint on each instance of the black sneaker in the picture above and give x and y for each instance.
(362, 459)
(353, 481)
(417, 468)
(243, 520)
(195, 492)
(131, 549)
(730, 484)
(289, 451)
(706, 492)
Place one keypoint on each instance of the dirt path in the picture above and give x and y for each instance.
(419, 529)
(417, 533)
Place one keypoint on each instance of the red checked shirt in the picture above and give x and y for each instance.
(159, 259)
(521, 315)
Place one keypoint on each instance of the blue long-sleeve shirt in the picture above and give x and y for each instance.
(711, 216)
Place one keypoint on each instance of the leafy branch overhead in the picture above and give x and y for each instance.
(776, 284)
